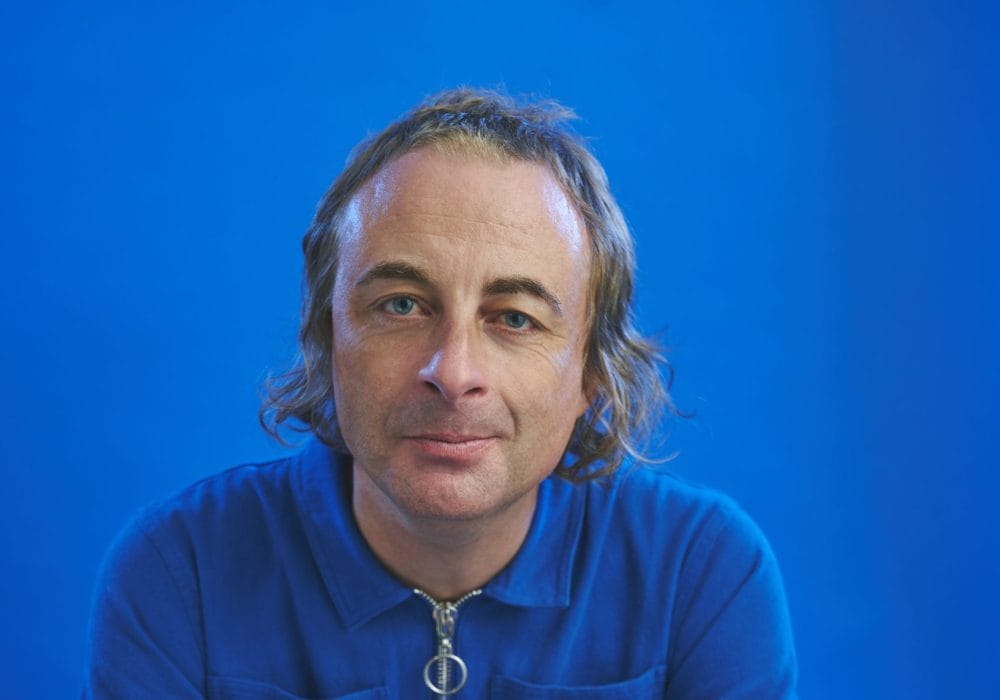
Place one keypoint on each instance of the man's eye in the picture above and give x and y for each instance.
(516, 320)
(401, 306)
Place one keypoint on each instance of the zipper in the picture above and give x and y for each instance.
(443, 682)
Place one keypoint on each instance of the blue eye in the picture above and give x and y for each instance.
(401, 305)
(515, 320)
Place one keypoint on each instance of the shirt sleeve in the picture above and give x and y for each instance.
(143, 638)
(732, 638)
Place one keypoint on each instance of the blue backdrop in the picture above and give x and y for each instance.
(813, 187)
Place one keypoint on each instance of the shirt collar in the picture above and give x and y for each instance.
(540, 575)
(359, 585)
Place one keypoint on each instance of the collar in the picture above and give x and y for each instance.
(540, 575)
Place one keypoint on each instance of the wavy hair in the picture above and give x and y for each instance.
(621, 367)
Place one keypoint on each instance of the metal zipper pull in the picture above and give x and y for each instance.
(438, 674)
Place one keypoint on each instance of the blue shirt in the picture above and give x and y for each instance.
(256, 583)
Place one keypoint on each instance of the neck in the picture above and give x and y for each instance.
(445, 558)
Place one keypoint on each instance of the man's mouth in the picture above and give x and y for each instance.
(451, 446)
(450, 437)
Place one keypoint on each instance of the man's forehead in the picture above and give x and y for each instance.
(465, 190)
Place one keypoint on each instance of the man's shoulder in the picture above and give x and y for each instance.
(242, 506)
(656, 508)
(225, 494)
(223, 523)
(191, 564)
(655, 490)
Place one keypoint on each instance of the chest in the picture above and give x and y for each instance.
(611, 647)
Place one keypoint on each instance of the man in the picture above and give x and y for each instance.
(465, 523)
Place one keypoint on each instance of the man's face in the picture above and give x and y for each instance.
(459, 322)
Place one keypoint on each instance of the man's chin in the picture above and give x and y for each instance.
(449, 497)
(457, 508)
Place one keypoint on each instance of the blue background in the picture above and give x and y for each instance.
(813, 188)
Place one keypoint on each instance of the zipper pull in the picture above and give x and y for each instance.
(444, 683)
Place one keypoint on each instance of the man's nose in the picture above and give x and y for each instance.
(457, 366)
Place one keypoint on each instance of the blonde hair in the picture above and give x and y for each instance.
(621, 368)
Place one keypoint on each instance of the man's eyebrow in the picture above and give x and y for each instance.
(523, 285)
(394, 270)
